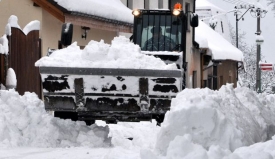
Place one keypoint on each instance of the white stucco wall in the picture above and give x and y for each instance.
(51, 33)
(25, 14)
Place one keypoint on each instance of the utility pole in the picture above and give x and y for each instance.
(256, 12)
(259, 13)
(237, 28)
(258, 71)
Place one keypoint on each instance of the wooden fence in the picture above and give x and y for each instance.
(2, 69)
(24, 51)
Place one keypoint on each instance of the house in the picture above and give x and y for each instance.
(219, 58)
(52, 15)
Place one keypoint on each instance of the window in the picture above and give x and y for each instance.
(160, 22)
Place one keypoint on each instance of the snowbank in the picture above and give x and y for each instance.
(204, 122)
(11, 80)
(121, 54)
(4, 45)
(24, 122)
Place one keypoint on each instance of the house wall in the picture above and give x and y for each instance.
(227, 70)
(226, 73)
(51, 34)
(192, 58)
(189, 42)
(194, 70)
(23, 9)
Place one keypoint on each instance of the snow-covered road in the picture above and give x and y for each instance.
(228, 123)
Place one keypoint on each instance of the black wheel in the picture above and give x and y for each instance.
(66, 115)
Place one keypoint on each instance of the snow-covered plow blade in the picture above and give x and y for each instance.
(110, 94)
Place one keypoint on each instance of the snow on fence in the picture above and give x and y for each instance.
(19, 51)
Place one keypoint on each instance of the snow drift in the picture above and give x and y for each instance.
(204, 122)
(24, 122)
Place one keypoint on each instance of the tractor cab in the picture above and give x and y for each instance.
(158, 30)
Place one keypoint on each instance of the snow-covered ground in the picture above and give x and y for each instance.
(228, 123)
(202, 123)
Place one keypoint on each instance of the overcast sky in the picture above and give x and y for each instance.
(249, 26)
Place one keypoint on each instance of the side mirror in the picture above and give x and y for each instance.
(66, 34)
(194, 21)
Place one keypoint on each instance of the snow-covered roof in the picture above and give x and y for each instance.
(204, 4)
(219, 48)
(109, 9)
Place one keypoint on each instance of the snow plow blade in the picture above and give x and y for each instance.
(110, 94)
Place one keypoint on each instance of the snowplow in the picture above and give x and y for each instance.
(123, 94)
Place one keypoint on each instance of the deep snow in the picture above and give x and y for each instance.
(202, 124)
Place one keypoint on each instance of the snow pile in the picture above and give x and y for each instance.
(120, 54)
(33, 25)
(4, 45)
(11, 80)
(203, 122)
(24, 122)
(137, 132)
(110, 9)
(13, 21)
